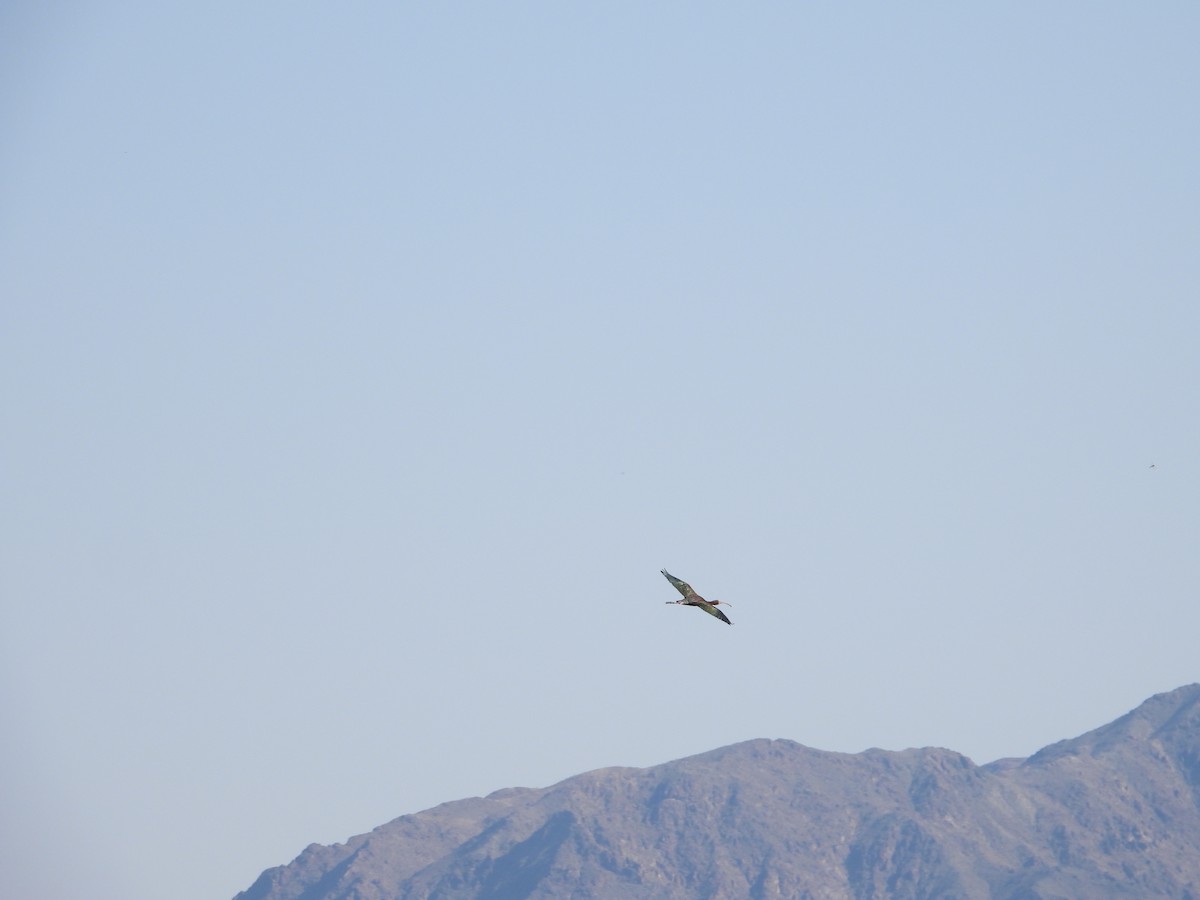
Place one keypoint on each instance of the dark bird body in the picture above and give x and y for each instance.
(691, 598)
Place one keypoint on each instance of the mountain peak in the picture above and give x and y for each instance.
(1167, 717)
(1112, 813)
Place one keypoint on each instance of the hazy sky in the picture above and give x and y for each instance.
(363, 363)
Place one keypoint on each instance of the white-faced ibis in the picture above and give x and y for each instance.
(691, 598)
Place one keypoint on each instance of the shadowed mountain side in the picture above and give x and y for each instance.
(1113, 813)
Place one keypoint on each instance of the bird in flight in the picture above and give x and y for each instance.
(691, 598)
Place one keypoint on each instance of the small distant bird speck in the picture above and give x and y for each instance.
(691, 598)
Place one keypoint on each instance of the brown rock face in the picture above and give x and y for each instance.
(1114, 813)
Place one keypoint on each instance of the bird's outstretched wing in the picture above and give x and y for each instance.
(682, 586)
(713, 611)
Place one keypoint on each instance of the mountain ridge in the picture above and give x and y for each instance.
(1114, 812)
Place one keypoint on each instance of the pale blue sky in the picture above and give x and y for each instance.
(364, 363)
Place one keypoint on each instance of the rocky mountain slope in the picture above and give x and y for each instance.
(1113, 813)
